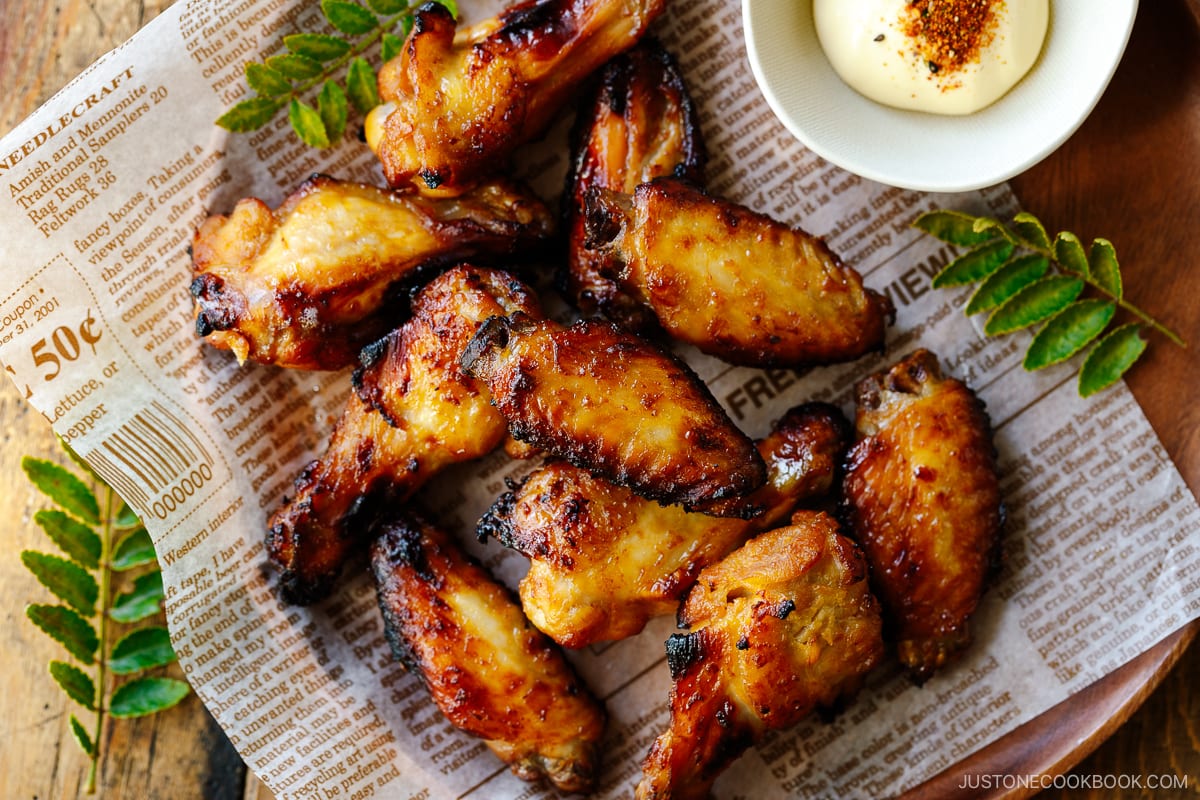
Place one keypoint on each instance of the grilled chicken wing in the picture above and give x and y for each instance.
(489, 671)
(605, 561)
(923, 498)
(309, 284)
(736, 284)
(640, 124)
(780, 627)
(413, 413)
(456, 105)
(615, 405)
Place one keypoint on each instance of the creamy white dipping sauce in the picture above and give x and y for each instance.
(888, 51)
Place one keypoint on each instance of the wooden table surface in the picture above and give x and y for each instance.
(1132, 174)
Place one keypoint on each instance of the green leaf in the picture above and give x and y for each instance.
(74, 538)
(134, 550)
(1030, 228)
(63, 487)
(307, 124)
(1033, 304)
(953, 227)
(79, 462)
(143, 600)
(390, 46)
(1110, 359)
(143, 696)
(67, 628)
(69, 582)
(331, 105)
(1068, 332)
(249, 115)
(317, 46)
(76, 683)
(975, 264)
(266, 81)
(1007, 281)
(1069, 252)
(451, 6)
(361, 85)
(349, 18)
(1106, 273)
(387, 7)
(297, 68)
(126, 517)
(141, 649)
(81, 736)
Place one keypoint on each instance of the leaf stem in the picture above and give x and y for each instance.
(106, 536)
(354, 51)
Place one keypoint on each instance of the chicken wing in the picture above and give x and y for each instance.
(309, 284)
(413, 412)
(639, 124)
(780, 627)
(489, 671)
(615, 405)
(455, 106)
(736, 284)
(923, 499)
(605, 561)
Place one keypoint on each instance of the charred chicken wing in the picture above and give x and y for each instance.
(923, 499)
(736, 284)
(640, 124)
(780, 627)
(615, 405)
(308, 284)
(605, 561)
(457, 103)
(413, 413)
(489, 671)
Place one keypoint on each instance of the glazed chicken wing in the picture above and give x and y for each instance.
(780, 627)
(736, 284)
(639, 124)
(605, 561)
(309, 284)
(615, 405)
(923, 499)
(456, 104)
(413, 413)
(489, 671)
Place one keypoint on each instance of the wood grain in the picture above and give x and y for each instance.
(1130, 174)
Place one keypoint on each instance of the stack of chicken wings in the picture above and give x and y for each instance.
(649, 500)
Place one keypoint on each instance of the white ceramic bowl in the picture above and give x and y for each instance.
(932, 152)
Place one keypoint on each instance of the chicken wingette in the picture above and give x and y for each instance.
(413, 412)
(922, 497)
(639, 124)
(736, 284)
(309, 284)
(779, 628)
(616, 406)
(489, 671)
(605, 561)
(456, 103)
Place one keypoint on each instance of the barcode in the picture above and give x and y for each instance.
(153, 462)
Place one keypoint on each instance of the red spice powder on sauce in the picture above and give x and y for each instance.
(950, 34)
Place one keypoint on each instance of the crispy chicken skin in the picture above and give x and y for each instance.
(639, 124)
(736, 284)
(309, 284)
(457, 103)
(615, 405)
(605, 561)
(923, 498)
(413, 412)
(489, 671)
(780, 627)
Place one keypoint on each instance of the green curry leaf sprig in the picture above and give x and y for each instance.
(1027, 279)
(107, 584)
(286, 79)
